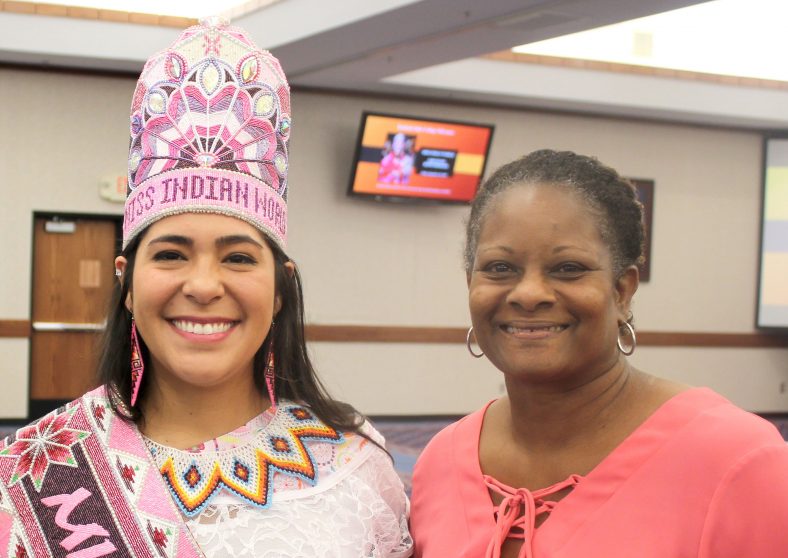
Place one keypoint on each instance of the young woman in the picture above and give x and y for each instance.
(211, 434)
(585, 455)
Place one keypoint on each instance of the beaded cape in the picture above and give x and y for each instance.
(81, 482)
(246, 471)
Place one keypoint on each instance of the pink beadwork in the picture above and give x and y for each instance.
(210, 123)
(42, 444)
(137, 364)
(66, 504)
(270, 371)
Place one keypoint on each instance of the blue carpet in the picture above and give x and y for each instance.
(405, 439)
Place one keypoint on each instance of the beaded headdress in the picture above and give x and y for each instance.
(210, 120)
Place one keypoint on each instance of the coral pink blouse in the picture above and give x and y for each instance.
(699, 478)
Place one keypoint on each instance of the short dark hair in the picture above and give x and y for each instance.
(296, 379)
(611, 198)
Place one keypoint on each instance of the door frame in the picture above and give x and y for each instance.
(39, 407)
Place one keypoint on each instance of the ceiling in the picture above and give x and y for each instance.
(425, 48)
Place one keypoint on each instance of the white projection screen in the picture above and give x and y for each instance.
(773, 279)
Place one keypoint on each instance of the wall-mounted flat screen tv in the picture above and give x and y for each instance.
(402, 158)
(773, 277)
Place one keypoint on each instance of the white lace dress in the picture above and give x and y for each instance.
(354, 506)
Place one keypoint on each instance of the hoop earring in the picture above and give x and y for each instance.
(468, 344)
(137, 364)
(634, 344)
(270, 372)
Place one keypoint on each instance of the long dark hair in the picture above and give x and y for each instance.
(296, 379)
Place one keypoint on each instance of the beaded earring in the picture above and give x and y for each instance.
(270, 373)
(137, 365)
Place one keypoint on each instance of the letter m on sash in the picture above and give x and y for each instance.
(79, 533)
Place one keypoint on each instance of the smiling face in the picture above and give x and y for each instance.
(203, 298)
(543, 298)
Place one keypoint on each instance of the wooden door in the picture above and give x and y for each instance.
(73, 274)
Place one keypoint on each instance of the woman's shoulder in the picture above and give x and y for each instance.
(458, 438)
(720, 414)
(448, 485)
(56, 416)
(470, 424)
(704, 423)
(368, 430)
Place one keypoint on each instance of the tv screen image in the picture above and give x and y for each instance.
(773, 284)
(408, 158)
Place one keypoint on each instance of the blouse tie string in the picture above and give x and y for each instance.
(517, 513)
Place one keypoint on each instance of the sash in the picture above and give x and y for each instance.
(80, 483)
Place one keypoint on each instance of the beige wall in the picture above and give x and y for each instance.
(386, 264)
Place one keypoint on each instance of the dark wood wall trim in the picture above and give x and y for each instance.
(722, 340)
(405, 334)
(14, 328)
(408, 334)
(384, 334)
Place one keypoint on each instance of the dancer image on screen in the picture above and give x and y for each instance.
(210, 433)
(585, 455)
(397, 163)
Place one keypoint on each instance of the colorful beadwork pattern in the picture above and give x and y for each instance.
(42, 444)
(91, 473)
(79, 482)
(137, 364)
(210, 123)
(248, 470)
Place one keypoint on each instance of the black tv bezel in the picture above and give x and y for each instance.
(414, 200)
(783, 135)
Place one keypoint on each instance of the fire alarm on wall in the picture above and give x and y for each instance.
(113, 189)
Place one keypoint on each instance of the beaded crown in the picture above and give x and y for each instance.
(210, 122)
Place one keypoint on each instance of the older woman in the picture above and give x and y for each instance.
(585, 455)
(211, 434)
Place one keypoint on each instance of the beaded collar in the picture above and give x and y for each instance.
(247, 470)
